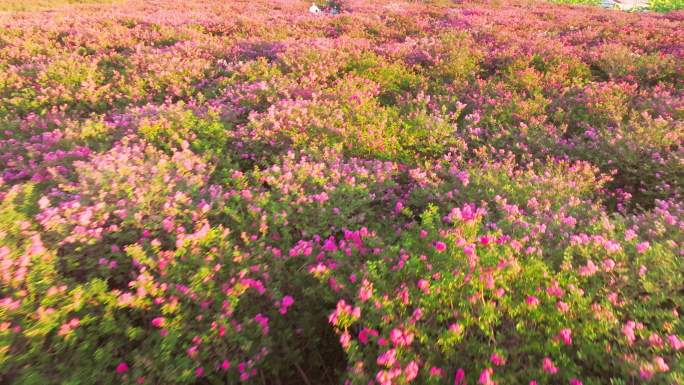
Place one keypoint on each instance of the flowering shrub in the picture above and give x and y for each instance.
(378, 193)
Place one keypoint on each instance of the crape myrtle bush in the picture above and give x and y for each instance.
(208, 192)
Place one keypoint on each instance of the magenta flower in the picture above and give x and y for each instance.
(122, 367)
(440, 246)
(387, 358)
(158, 322)
(497, 360)
(436, 372)
(532, 301)
(286, 302)
(459, 377)
(566, 336)
(263, 322)
(548, 366)
(575, 381)
(225, 365)
(486, 377)
(400, 337)
(364, 333)
(398, 207)
(192, 351)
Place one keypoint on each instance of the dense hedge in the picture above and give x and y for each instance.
(208, 192)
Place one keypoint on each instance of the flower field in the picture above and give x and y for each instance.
(383, 192)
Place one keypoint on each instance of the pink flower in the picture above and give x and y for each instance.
(286, 302)
(385, 377)
(532, 301)
(158, 322)
(122, 367)
(401, 338)
(423, 233)
(533, 382)
(642, 247)
(424, 285)
(398, 207)
(463, 177)
(655, 340)
(263, 322)
(628, 331)
(675, 342)
(436, 372)
(440, 246)
(199, 372)
(486, 377)
(365, 291)
(469, 250)
(364, 333)
(608, 264)
(548, 366)
(459, 378)
(646, 371)
(192, 351)
(555, 290)
(363, 337)
(411, 371)
(575, 381)
(456, 328)
(497, 360)
(613, 298)
(225, 365)
(589, 269)
(329, 244)
(562, 306)
(345, 339)
(566, 336)
(387, 358)
(660, 364)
